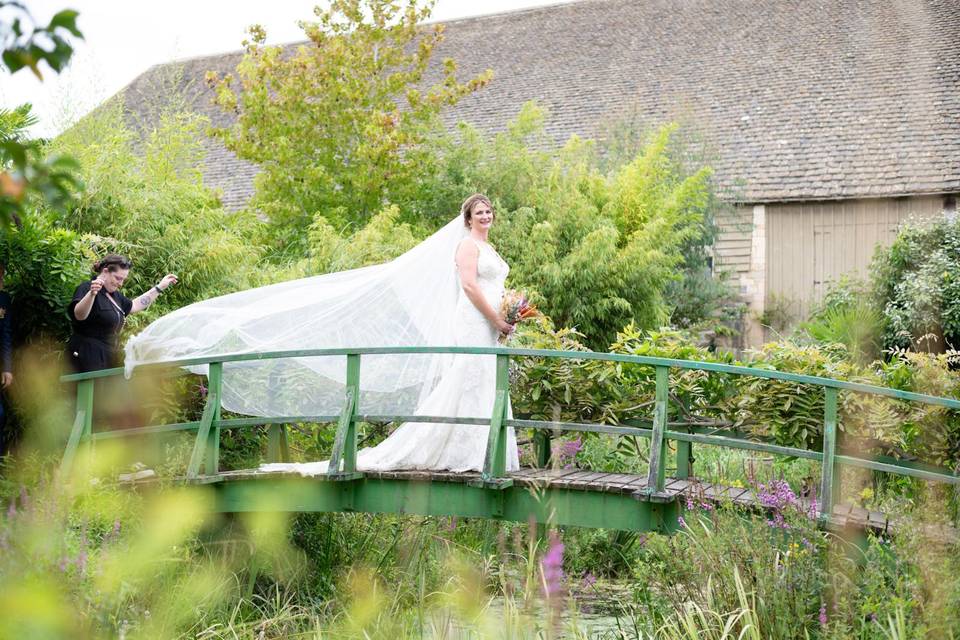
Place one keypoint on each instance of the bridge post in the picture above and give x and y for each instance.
(829, 475)
(278, 449)
(684, 457)
(495, 462)
(214, 390)
(82, 424)
(345, 443)
(205, 434)
(541, 440)
(656, 475)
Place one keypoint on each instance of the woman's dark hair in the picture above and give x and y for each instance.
(112, 262)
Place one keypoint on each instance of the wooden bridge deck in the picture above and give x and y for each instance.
(844, 516)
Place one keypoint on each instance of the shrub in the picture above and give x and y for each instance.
(917, 283)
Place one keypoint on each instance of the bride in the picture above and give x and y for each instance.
(446, 291)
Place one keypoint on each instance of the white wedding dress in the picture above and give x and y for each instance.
(413, 300)
(466, 390)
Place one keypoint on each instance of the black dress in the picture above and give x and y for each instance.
(93, 344)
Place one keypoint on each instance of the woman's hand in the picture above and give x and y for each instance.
(168, 281)
(95, 285)
(505, 327)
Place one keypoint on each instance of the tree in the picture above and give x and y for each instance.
(23, 168)
(339, 126)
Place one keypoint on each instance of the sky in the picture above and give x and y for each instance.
(123, 38)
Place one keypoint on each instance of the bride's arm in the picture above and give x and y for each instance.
(467, 255)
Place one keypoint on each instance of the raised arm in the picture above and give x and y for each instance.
(467, 255)
(81, 310)
(144, 300)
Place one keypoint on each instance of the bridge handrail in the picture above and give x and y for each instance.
(714, 367)
(343, 459)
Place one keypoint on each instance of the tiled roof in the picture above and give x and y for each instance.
(799, 99)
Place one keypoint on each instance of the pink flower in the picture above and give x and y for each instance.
(552, 567)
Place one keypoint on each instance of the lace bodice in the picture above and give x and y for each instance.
(492, 272)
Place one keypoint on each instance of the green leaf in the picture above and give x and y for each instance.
(66, 19)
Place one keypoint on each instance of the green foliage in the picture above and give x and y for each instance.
(381, 240)
(848, 317)
(44, 265)
(596, 251)
(783, 412)
(326, 124)
(791, 582)
(27, 172)
(152, 206)
(25, 44)
(917, 284)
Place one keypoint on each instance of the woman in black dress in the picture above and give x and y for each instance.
(98, 311)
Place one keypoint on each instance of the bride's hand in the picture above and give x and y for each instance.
(505, 327)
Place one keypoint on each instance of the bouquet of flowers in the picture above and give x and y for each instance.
(516, 308)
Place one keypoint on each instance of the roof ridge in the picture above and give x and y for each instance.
(479, 16)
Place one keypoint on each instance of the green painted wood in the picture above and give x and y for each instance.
(155, 429)
(76, 433)
(502, 384)
(553, 505)
(237, 423)
(340, 439)
(943, 475)
(350, 442)
(82, 425)
(684, 459)
(558, 427)
(214, 386)
(480, 422)
(657, 472)
(276, 441)
(699, 434)
(198, 456)
(541, 440)
(735, 443)
(494, 466)
(545, 353)
(85, 402)
(827, 478)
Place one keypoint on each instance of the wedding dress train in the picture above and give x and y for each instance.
(413, 300)
(467, 389)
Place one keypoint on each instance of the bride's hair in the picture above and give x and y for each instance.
(466, 209)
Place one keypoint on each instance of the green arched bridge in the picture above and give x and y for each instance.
(648, 502)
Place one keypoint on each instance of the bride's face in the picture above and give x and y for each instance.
(481, 216)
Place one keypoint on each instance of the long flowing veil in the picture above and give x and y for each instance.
(409, 301)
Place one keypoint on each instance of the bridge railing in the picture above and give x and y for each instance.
(343, 462)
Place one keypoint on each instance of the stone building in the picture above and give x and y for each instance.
(829, 121)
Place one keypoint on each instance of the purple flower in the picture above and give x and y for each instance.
(81, 561)
(682, 522)
(552, 567)
(568, 451)
(589, 580)
(452, 524)
(823, 615)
